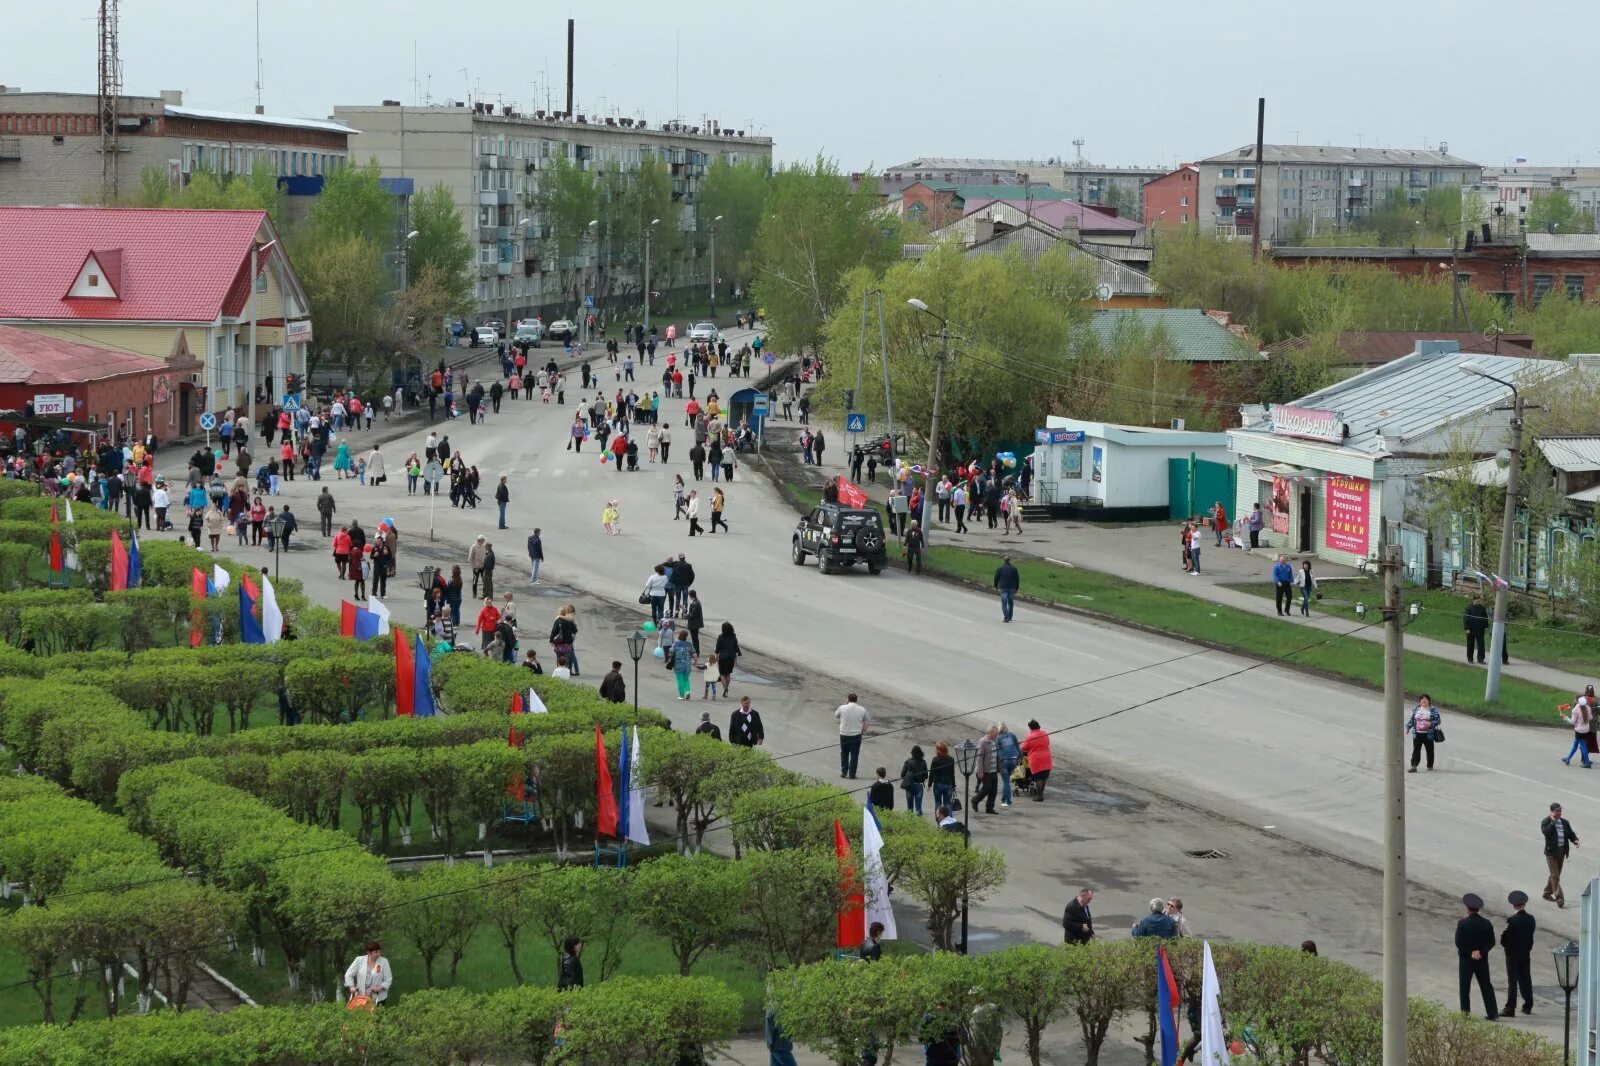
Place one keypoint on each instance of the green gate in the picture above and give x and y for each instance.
(1194, 484)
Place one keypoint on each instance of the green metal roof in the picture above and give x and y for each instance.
(1199, 337)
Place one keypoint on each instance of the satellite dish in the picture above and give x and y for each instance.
(1102, 292)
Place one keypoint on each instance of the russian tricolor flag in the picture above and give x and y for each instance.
(363, 623)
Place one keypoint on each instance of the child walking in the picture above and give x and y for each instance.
(708, 673)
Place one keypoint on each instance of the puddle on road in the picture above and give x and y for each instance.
(1110, 801)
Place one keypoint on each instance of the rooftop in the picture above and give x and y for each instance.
(323, 125)
(171, 103)
(1376, 347)
(997, 191)
(1326, 155)
(1056, 213)
(171, 264)
(31, 359)
(1563, 243)
(1199, 337)
(1419, 394)
(1020, 165)
(709, 130)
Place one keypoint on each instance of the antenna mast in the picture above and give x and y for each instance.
(259, 109)
(110, 89)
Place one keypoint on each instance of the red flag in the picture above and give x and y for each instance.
(605, 814)
(119, 563)
(514, 738)
(55, 541)
(197, 617)
(347, 618)
(852, 914)
(850, 494)
(251, 588)
(405, 677)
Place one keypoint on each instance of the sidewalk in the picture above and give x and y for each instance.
(1149, 554)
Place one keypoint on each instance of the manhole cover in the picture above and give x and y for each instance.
(1207, 853)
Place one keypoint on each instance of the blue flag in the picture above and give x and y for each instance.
(1166, 1008)
(250, 631)
(135, 568)
(422, 698)
(622, 778)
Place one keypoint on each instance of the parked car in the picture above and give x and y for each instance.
(703, 331)
(562, 330)
(488, 335)
(529, 331)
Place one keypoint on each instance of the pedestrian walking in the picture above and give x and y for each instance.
(682, 657)
(1475, 623)
(708, 728)
(880, 796)
(942, 776)
(852, 719)
(1283, 586)
(1559, 839)
(727, 651)
(570, 974)
(535, 554)
(1308, 586)
(325, 511)
(1009, 752)
(692, 511)
(1474, 941)
(913, 545)
(369, 976)
(1007, 581)
(1423, 725)
(610, 518)
(377, 473)
(1036, 749)
(1219, 521)
(1077, 922)
(718, 501)
(502, 496)
(959, 500)
(1516, 942)
(744, 726)
(988, 770)
(1580, 715)
(1253, 525)
(695, 620)
(914, 779)
(655, 593)
(564, 635)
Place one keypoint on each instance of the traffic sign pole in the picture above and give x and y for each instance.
(433, 473)
(208, 422)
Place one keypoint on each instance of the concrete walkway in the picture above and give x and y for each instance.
(1149, 554)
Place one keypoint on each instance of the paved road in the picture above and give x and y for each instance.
(1296, 756)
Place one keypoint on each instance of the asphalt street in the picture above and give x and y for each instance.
(1283, 767)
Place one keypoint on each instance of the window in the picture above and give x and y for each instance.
(1183, 201)
(1542, 284)
(1183, 217)
(1574, 286)
(1227, 172)
(1227, 212)
(1248, 172)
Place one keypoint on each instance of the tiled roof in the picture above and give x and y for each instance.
(33, 359)
(1199, 337)
(1055, 213)
(176, 265)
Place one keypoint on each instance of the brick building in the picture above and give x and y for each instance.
(50, 146)
(91, 384)
(1171, 201)
(1519, 273)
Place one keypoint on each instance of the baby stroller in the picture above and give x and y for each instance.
(263, 480)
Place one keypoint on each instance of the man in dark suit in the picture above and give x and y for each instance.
(1077, 922)
(1559, 839)
(1516, 940)
(1474, 941)
(1475, 622)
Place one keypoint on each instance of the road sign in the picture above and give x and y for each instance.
(855, 422)
(760, 405)
(769, 359)
(588, 301)
(208, 421)
(291, 403)
(433, 473)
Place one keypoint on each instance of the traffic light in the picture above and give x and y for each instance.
(849, 399)
(291, 383)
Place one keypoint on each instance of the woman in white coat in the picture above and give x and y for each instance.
(692, 512)
(369, 975)
(375, 475)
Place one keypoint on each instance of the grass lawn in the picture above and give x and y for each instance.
(1455, 686)
(1563, 647)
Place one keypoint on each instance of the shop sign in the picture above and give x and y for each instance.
(1349, 510)
(1308, 422)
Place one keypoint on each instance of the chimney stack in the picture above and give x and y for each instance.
(571, 35)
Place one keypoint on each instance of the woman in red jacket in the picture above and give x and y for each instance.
(1036, 748)
(488, 618)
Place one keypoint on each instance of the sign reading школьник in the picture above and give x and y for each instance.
(1308, 422)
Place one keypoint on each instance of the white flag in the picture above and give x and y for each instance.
(636, 830)
(873, 879)
(535, 704)
(219, 578)
(69, 559)
(377, 607)
(271, 616)
(1213, 1039)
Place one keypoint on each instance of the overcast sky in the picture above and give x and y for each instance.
(867, 83)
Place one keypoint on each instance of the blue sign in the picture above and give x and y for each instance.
(208, 421)
(760, 406)
(855, 422)
(1058, 436)
(291, 402)
(769, 359)
(588, 301)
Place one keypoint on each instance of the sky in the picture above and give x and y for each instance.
(875, 85)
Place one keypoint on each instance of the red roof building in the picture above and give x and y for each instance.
(149, 281)
(47, 377)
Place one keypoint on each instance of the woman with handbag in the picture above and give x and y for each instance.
(1308, 586)
(1423, 725)
(1581, 716)
(563, 635)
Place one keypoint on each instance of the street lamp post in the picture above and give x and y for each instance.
(255, 272)
(592, 230)
(636, 642)
(1566, 960)
(967, 760)
(648, 230)
(405, 260)
(933, 430)
(277, 543)
(1497, 641)
(714, 267)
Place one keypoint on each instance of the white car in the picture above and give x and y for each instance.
(703, 331)
(562, 330)
(488, 335)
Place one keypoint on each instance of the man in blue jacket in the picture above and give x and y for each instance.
(1007, 581)
(1283, 585)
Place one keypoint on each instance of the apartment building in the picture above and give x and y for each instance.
(1316, 187)
(1508, 193)
(1079, 180)
(491, 159)
(50, 146)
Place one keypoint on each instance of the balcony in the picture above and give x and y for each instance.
(1227, 201)
(488, 162)
(503, 268)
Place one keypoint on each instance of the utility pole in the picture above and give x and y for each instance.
(933, 438)
(1497, 642)
(1261, 177)
(714, 222)
(1394, 814)
(647, 231)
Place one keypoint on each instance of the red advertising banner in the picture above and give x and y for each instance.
(1349, 508)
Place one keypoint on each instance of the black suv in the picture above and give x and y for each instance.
(840, 536)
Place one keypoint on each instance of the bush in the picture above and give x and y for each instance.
(12, 604)
(154, 612)
(78, 627)
(16, 560)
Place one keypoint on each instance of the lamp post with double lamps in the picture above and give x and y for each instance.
(967, 761)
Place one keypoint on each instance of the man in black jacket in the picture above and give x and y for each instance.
(1516, 940)
(678, 587)
(612, 687)
(1474, 941)
(744, 728)
(1077, 922)
(695, 619)
(1475, 622)
(707, 727)
(1007, 582)
(1559, 839)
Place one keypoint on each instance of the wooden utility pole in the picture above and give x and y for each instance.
(1261, 176)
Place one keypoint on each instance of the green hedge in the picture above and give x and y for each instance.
(11, 488)
(17, 561)
(12, 604)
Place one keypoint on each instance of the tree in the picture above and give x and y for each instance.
(256, 190)
(941, 872)
(346, 284)
(1028, 982)
(738, 192)
(1555, 212)
(696, 774)
(816, 229)
(353, 203)
(441, 253)
(693, 902)
(444, 907)
(793, 904)
(1101, 981)
(588, 902)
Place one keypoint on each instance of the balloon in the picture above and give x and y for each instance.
(648, 627)
(659, 654)
(605, 457)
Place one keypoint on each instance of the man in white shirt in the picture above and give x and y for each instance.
(852, 727)
(369, 975)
